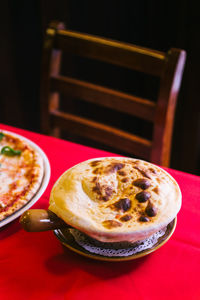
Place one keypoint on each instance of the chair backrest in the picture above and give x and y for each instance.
(166, 66)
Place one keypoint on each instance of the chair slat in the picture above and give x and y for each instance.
(120, 54)
(167, 66)
(101, 133)
(106, 97)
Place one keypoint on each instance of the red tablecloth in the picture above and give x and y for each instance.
(36, 266)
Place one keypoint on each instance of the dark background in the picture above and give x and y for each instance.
(155, 24)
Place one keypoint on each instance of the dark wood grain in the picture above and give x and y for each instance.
(166, 104)
(100, 95)
(168, 67)
(110, 51)
(51, 60)
(102, 133)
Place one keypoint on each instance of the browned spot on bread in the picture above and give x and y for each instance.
(125, 218)
(124, 180)
(96, 171)
(104, 198)
(143, 196)
(142, 172)
(114, 167)
(123, 204)
(97, 188)
(121, 173)
(152, 170)
(143, 219)
(111, 224)
(95, 163)
(117, 216)
(156, 190)
(94, 179)
(103, 191)
(151, 210)
(142, 183)
(108, 191)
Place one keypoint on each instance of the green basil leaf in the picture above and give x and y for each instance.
(1, 135)
(8, 151)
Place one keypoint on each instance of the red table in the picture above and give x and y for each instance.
(36, 266)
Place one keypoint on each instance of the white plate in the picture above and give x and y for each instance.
(42, 188)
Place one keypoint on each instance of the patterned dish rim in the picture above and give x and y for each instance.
(67, 239)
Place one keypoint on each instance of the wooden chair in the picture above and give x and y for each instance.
(167, 66)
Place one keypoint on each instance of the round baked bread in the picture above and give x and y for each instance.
(116, 199)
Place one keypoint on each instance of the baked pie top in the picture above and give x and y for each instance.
(116, 198)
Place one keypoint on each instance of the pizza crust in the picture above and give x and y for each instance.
(20, 175)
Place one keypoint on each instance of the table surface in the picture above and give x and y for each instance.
(37, 266)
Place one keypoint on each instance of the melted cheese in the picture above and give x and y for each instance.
(20, 175)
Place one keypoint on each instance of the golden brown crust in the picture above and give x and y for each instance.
(21, 175)
(116, 198)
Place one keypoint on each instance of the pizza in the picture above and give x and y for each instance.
(21, 173)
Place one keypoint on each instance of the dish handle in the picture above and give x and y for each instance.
(36, 220)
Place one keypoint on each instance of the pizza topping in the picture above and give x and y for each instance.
(21, 173)
(2, 205)
(1, 135)
(8, 151)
